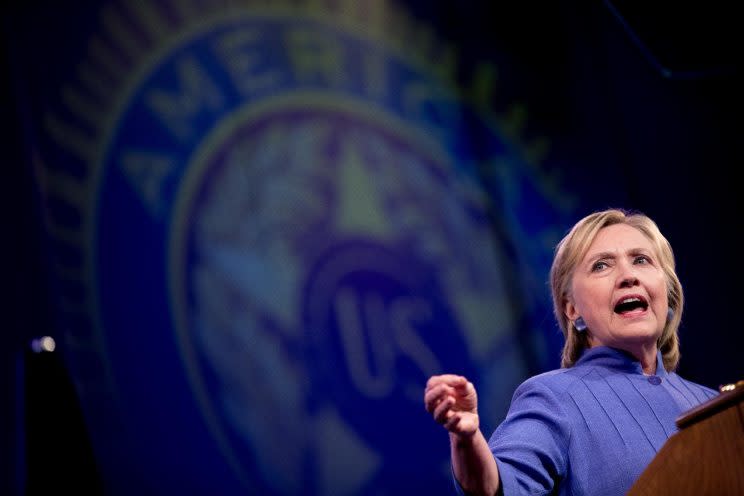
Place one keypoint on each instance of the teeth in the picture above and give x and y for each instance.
(629, 300)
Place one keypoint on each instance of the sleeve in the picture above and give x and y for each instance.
(531, 444)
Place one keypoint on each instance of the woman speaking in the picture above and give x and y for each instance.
(592, 426)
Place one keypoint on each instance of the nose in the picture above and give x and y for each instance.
(627, 276)
(628, 281)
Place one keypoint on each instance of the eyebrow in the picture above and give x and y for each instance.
(601, 255)
(611, 254)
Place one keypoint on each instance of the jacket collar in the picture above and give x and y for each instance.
(620, 360)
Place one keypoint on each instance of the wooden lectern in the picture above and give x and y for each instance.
(706, 456)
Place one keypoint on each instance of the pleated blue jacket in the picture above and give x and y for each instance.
(590, 429)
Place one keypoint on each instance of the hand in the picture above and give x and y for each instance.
(453, 402)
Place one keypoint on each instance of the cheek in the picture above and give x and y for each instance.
(592, 291)
(661, 288)
(660, 294)
(589, 299)
(579, 293)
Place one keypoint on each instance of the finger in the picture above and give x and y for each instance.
(465, 386)
(433, 396)
(451, 379)
(431, 404)
(443, 411)
(453, 421)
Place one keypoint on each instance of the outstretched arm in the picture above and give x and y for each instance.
(453, 402)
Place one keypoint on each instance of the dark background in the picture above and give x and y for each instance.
(643, 107)
(641, 103)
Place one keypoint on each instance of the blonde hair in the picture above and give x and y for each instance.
(571, 250)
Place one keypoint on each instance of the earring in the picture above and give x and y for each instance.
(670, 314)
(579, 324)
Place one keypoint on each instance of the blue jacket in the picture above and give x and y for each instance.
(590, 429)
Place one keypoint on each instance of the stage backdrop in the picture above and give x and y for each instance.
(268, 223)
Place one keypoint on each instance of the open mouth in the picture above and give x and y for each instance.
(630, 303)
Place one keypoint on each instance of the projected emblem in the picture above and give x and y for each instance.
(330, 270)
(290, 231)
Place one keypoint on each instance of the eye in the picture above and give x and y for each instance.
(641, 259)
(599, 265)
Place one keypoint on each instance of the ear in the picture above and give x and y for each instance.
(569, 310)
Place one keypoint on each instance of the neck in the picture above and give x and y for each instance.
(646, 354)
(647, 357)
